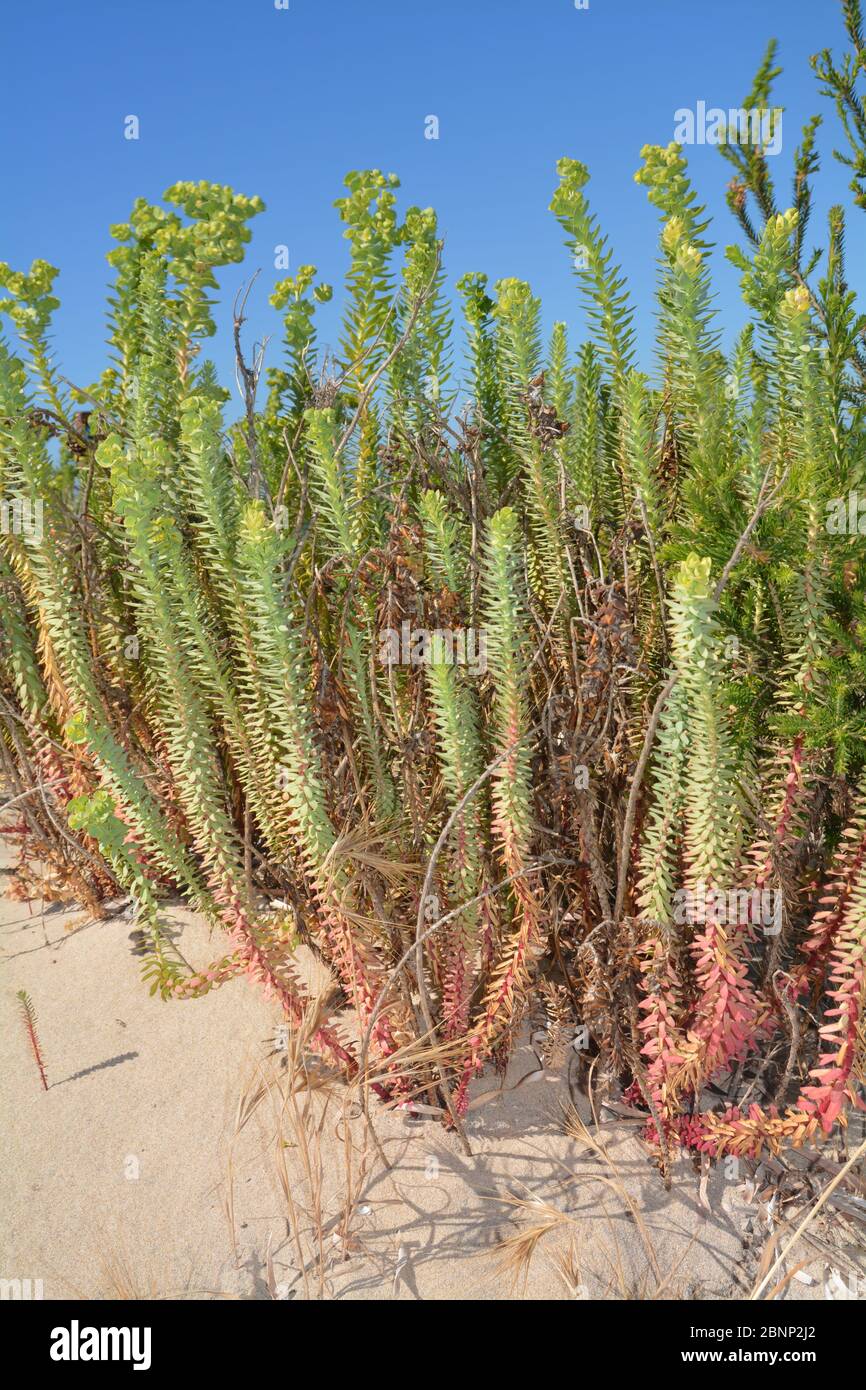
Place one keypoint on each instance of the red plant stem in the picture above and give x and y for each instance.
(37, 1053)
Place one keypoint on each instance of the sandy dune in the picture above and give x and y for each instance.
(151, 1168)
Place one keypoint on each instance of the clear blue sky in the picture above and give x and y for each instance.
(283, 103)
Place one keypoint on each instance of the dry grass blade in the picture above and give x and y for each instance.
(808, 1219)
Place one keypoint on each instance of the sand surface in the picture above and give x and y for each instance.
(167, 1158)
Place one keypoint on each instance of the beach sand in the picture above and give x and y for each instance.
(167, 1159)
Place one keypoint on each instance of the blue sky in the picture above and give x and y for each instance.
(283, 102)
